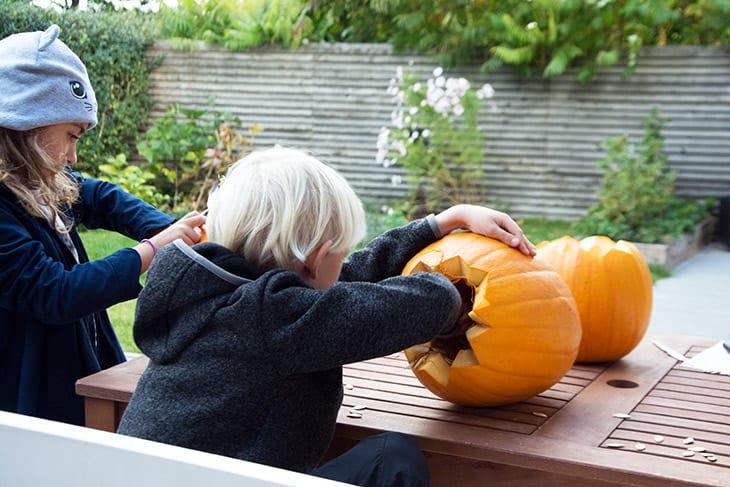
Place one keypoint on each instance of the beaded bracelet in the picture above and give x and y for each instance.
(154, 248)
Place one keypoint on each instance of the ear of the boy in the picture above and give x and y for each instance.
(315, 258)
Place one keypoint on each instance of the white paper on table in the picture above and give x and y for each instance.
(715, 360)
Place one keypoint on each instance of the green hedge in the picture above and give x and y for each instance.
(113, 47)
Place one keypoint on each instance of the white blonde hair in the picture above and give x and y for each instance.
(276, 206)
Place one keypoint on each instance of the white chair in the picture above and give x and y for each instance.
(36, 452)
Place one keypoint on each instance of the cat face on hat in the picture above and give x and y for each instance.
(42, 82)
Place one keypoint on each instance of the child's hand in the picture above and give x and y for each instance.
(187, 228)
(485, 221)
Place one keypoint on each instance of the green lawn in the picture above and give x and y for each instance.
(101, 243)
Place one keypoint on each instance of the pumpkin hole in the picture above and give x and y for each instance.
(450, 345)
(622, 384)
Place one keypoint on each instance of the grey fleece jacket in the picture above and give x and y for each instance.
(249, 364)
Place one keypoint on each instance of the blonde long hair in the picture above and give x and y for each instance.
(276, 206)
(32, 175)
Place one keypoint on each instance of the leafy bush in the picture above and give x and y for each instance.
(543, 36)
(231, 145)
(174, 147)
(637, 199)
(235, 24)
(190, 148)
(132, 178)
(113, 47)
(434, 134)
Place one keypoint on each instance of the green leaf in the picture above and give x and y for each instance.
(607, 58)
(519, 55)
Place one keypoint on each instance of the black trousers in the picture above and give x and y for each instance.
(384, 460)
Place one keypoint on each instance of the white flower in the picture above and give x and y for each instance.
(457, 86)
(532, 25)
(396, 180)
(392, 85)
(383, 137)
(442, 105)
(485, 91)
(438, 72)
(458, 109)
(396, 118)
(425, 133)
(436, 97)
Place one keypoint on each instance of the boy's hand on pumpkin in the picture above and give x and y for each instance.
(485, 221)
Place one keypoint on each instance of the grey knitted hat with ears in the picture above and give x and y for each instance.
(42, 82)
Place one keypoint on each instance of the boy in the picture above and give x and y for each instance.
(247, 333)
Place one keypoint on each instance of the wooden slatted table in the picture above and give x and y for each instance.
(568, 435)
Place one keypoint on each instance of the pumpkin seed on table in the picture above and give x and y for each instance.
(639, 446)
(688, 441)
(621, 415)
(614, 445)
(658, 438)
(710, 457)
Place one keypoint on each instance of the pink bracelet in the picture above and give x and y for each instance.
(154, 248)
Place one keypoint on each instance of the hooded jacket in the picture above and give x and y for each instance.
(53, 325)
(249, 364)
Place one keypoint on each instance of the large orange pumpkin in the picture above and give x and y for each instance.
(525, 331)
(612, 286)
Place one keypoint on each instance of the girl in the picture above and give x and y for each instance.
(53, 325)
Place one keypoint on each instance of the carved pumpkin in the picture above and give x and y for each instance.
(525, 329)
(611, 284)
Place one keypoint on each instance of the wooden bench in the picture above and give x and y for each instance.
(572, 434)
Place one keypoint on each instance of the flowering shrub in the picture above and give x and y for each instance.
(434, 134)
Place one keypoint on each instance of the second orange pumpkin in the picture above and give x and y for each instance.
(611, 284)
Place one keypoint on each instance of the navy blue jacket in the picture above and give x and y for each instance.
(53, 325)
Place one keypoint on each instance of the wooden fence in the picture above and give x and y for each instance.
(543, 137)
